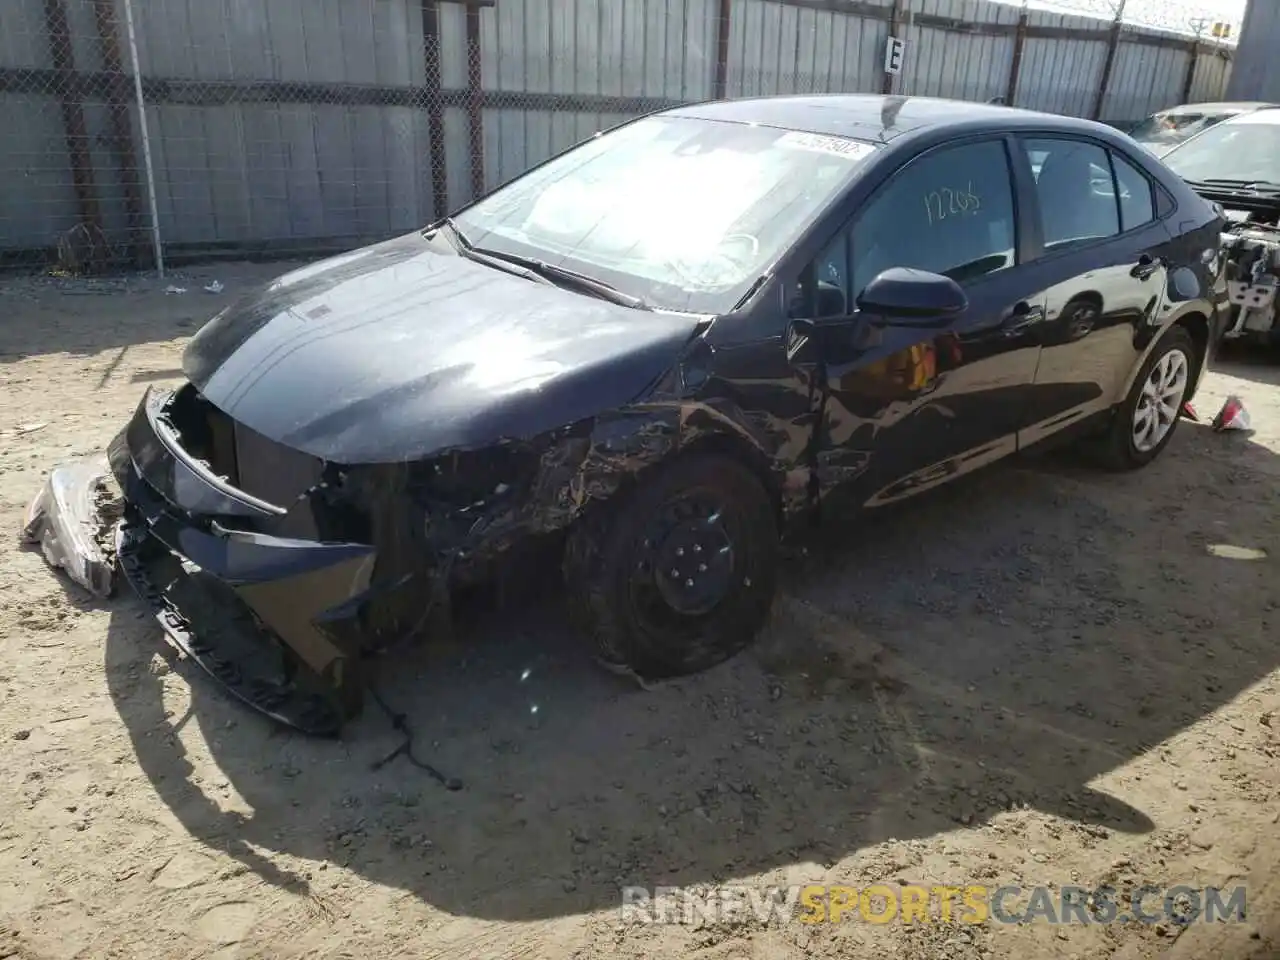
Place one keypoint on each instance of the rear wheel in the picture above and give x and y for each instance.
(1146, 421)
(678, 575)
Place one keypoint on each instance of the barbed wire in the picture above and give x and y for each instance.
(1177, 16)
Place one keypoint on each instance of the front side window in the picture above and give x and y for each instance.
(683, 212)
(949, 211)
(1075, 190)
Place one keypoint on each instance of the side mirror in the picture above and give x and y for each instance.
(906, 297)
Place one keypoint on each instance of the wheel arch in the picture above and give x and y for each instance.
(735, 446)
(1196, 323)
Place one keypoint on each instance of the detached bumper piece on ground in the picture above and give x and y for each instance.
(267, 616)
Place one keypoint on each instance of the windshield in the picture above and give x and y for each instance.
(683, 213)
(1246, 149)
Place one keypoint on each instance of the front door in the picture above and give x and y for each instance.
(908, 408)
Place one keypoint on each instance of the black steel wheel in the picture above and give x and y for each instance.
(678, 575)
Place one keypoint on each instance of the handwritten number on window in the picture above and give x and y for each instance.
(946, 202)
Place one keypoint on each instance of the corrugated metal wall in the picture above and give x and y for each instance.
(333, 122)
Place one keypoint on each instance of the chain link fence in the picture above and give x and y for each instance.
(138, 130)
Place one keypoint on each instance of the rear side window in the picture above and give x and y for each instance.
(1075, 190)
(1136, 204)
(949, 211)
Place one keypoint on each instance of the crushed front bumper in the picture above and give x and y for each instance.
(276, 620)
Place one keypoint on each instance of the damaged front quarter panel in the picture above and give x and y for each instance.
(549, 482)
(455, 515)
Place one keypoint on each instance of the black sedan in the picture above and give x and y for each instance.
(659, 350)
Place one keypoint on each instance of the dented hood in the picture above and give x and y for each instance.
(399, 350)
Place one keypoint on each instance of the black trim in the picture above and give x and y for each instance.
(1030, 223)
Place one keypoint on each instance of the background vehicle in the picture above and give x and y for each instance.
(1236, 164)
(1163, 131)
(668, 345)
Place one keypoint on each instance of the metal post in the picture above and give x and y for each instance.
(435, 107)
(121, 129)
(475, 98)
(1113, 42)
(1015, 66)
(1193, 59)
(895, 16)
(146, 138)
(62, 54)
(720, 83)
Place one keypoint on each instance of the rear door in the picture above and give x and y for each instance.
(908, 408)
(1104, 264)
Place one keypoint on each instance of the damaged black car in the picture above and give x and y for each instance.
(657, 351)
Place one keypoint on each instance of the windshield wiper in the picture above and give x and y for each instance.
(1263, 186)
(539, 270)
(456, 235)
(566, 278)
(465, 248)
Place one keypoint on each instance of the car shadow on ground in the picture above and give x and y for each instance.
(999, 643)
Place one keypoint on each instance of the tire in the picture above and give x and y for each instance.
(1119, 448)
(619, 561)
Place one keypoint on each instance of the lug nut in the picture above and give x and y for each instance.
(702, 568)
(679, 551)
(675, 572)
(697, 548)
(689, 582)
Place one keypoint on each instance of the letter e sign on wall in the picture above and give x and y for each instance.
(893, 52)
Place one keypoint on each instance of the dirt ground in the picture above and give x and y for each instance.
(1039, 675)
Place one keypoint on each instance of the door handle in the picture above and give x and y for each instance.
(1021, 316)
(1146, 266)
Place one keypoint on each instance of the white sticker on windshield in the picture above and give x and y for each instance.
(819, 143)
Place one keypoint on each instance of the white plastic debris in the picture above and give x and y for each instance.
(1229, 552)
(172, 289)
(1232, 416)
(25, 428)
(214, 287)
(72, 518)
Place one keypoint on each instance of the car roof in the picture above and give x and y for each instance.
(1268, 114)
(1239, 106)
(872, 116)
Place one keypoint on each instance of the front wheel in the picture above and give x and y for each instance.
(679, 574)
(1144, 424)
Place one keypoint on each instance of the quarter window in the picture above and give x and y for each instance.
(1075, 189)
(1136, 206)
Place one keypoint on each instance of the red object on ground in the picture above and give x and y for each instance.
(1232, 416)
